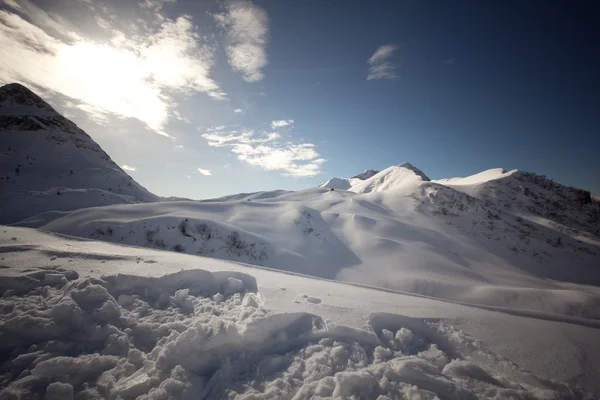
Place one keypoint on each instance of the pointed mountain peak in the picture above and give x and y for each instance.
(416, 170)
(16, 99)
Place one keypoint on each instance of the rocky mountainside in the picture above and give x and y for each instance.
(47, 163)
(536, 198)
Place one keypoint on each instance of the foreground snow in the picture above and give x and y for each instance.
(82, 319)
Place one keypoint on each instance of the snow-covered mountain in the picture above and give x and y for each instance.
(454, 239)
(366, 174)
(536, 198)
(48, 164)
(374, 181)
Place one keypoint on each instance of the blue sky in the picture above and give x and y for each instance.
(202, 99)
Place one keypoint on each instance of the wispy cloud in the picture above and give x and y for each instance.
(238, 110)
(205, 172)
(128, 168)
(247, 27)
(133, 76)
(281, 123)
(381, 67)
(268, 151)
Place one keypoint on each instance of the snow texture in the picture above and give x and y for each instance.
(134, 337)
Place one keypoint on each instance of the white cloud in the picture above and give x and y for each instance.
(268, 151)
(247, 27)
(381, 67)
(205, 172)
(281, 123)
(128, 168)
(130, 77)
(238, 110)
(179, 146)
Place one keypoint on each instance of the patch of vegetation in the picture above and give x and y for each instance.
(150, 234)
(204, 230)
(179, 248)
(184, 229)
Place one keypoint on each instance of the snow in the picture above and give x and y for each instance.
(482, 177)
(384, 285)
(173, 339)
(403, 233)
(375, 181)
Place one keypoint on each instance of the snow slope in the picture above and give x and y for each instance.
(48, 164)
(536, 198)
(401, 232)
(85, 319)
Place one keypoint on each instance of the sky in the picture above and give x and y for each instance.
(201, 99)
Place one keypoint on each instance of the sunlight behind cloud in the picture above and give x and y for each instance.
(128, 77)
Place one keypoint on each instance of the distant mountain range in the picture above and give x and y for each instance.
(507, 238)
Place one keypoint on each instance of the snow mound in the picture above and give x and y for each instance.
(49, 164)
(175, 336)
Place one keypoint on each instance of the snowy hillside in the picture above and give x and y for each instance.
(536, 198)
(395, 230)
(374, 181)
(90, 320)
(48, 164)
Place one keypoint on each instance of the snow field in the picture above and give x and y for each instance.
(196, 334)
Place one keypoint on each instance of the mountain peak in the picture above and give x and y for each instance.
(16, 99)
(366, 174)
(416, 170)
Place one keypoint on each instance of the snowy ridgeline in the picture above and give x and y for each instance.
(196, 335)
(417, 236)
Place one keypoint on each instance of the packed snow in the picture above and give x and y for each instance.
(84, 320)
